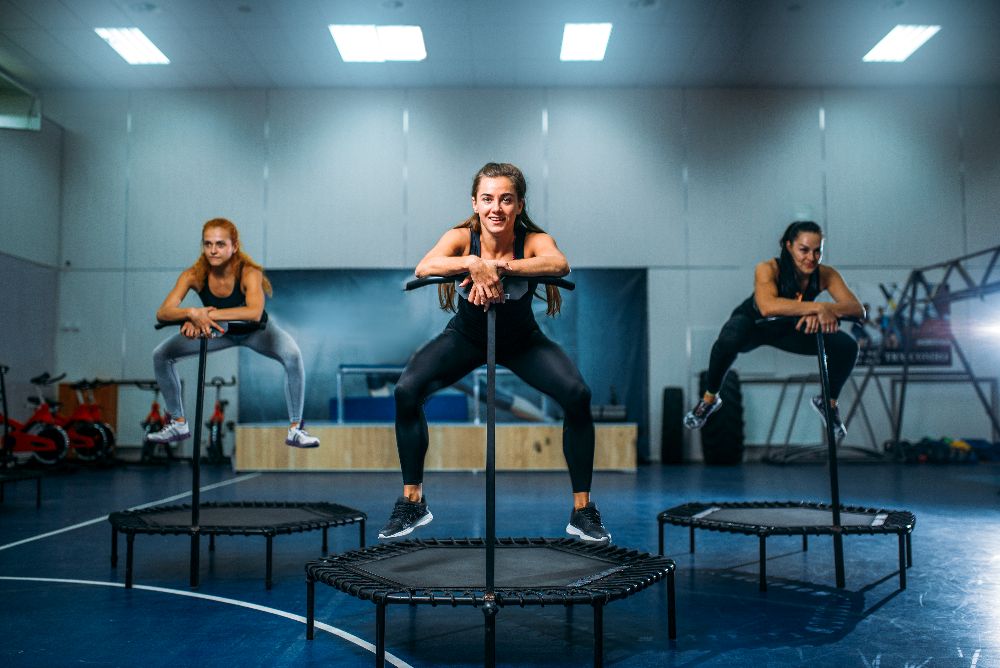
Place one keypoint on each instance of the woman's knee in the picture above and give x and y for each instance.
(576, 398)
(408, 397)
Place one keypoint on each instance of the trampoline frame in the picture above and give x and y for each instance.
(835, 529)
(130, 522)
(489, 598)
(897, 522)
(632, 572)
(133, 522)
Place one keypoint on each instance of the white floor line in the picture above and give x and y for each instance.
(350, 637)
(104, 518)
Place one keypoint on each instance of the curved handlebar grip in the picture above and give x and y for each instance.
(557, 281)
(795, 318)
(244, 326)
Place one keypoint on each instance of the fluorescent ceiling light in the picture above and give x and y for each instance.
(901, 41)
(132, 45)
(585, 41)
(377, 44)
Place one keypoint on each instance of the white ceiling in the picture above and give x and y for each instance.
(49, 44)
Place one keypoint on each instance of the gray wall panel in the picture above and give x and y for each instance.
(981, 151)
(893, 176)
(452, 134)
(95, 177)
(335, 186)
(29, 193)
(616, 176)
(193, 156)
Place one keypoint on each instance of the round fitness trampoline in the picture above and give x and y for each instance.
(490, 573)
(791, 518)
(234, 518)
(770, 518)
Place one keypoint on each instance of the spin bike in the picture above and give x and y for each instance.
(217, 424)
(43, 440)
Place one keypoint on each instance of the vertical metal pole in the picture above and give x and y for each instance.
(831, 444)
(598, 635)
(6, 415)
(340, 397)
(489, 605)
(380, 634)
(762, 585)
(196, 463)
(310, 607)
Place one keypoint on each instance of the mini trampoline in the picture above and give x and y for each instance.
(236, 518)
(791, 518)
(768, 518)
(490, 573)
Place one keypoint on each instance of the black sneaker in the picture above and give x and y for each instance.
(406, 516)
(586, 524)
(839, 430)
(696, 417)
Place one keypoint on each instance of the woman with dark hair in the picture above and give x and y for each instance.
(497, 240)
(788, 286)
(231, 286)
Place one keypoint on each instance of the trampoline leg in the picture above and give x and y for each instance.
(361, 532)
(380, 635)
(805, 542)
(902, 561)
(211, 542)
(129, 545)
(598, 635)
(661, 539)
(114, 547)
(763, 563)
(269, 562)
(838, 559)
(909, 550)
(326, 542)
(310, 608)
(671, 607)
(692, 540)
(38, 492)
(490, 650)
(195, 557)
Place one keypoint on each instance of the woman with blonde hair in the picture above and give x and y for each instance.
(231, 286)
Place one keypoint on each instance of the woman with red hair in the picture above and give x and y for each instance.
(231, 286)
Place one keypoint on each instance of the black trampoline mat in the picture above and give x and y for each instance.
(516, 566)
(790, 517)
(235, 517)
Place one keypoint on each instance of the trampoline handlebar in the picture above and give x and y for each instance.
(795, 318)
(241, 325)
(557, 281)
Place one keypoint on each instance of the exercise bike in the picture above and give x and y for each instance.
(86, 420)
(42, 440)
(152, 423)
(217, 424)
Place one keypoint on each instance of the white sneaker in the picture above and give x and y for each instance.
(173, 432)
(300, 438)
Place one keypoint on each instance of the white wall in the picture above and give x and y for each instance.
(695, 185)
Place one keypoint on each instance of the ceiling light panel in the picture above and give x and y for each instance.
(132, 45)
(585, 41)
(900, 43)
(377, 44)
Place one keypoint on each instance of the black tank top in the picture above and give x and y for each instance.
(515, 317)
(235, 299)
(749, 305)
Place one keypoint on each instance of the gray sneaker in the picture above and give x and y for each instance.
(839, 430)
(586, 524)
(406, 516)
(300, 438)
(695, 419)
(173, 432)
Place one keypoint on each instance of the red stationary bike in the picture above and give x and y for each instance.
(40, 438)
(217, 424)
(154, 421)
(86, 420)
(84, 443)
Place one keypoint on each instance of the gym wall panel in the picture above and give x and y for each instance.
(451, 135)
(981, 153)
(193, 156)
(90, 337)
(669, 363)
(29, 294)
(754, 166)
(893, 176)
(615, 165)
(335, 179)
(94, 178)
(30, 173)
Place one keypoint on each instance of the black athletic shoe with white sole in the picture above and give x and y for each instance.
(839, 430)
(406, 516)
(695, 419)
(586, 524)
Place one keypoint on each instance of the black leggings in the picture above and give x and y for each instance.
(741, 334)
(535, 359)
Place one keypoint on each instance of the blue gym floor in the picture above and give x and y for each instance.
(61, 604)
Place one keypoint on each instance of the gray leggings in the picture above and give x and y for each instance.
(272, 342)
